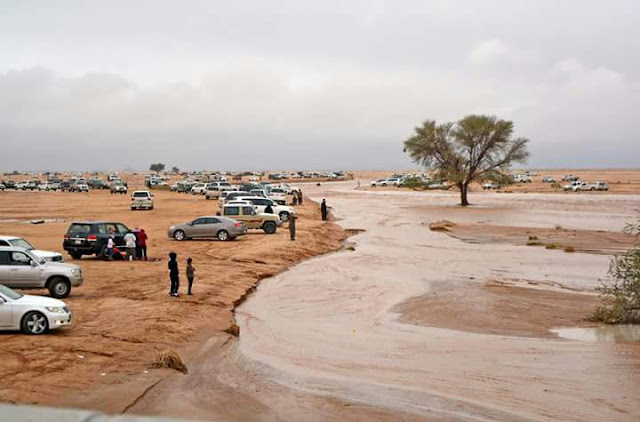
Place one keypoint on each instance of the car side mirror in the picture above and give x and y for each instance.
(33, 263)
(190, 223)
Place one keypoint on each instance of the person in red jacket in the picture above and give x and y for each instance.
(142, 244)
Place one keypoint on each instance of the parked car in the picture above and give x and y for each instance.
(215, 189)
(21, 269)
(288, 188)
(490, 185)
(252, 219)
(597, 185)
(2, 186)
(79, 187)
(260, 203)
(141, 200)
(118, 187)
(31, 314)
(575, 186)
(222, 228)
(278, 195)
(548, 179)
(227, 196)
(10, 184)
(90, 237)
(49, 186)
(22, 243)
(521, 178)
(570, 178)
(66, 186)
(199, 189)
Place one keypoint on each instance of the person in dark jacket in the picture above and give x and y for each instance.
(300, 196)
(324, 210)
(268, 209)
(292, 226)
(174, 274)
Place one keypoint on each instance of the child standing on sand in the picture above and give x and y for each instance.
(190, 274)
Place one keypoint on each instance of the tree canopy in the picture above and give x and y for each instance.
(158, 167)
(470, 149)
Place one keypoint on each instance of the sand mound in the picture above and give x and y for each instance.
(170, 359)
(442, 225)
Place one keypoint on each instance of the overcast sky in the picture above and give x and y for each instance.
(299, 84)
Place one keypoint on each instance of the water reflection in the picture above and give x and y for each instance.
(617, 333)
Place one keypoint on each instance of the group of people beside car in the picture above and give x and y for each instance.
(135, 243)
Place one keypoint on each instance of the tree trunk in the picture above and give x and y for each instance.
(464, 188)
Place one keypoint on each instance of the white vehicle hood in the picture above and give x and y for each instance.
(39, 301)
(46, 255)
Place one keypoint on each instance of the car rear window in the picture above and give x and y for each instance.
(78, 229)
(140, 195)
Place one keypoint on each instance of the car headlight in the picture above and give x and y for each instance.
(77, 272)
(55, 309)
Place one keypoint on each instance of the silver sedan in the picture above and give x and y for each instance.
(222, 228)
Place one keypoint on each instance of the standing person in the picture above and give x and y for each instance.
(174, 274)
(300, 196)
(110, 245)
(190, 274)
(136, 231)
(268, 209)
(142, 244)
(292, 226)
(294, 201)
(323, 210)
(130, 243)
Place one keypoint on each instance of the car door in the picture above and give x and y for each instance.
(251, 218)
(197, 228)
(6, 312)
(21, 272)
(119, 237)
(4, 268)
(212, 227)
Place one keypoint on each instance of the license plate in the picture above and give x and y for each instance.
(78, 242)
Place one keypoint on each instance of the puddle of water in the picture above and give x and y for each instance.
(617, 333)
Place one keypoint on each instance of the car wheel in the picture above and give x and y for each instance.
(59, 288)
(223, 235)
(592, 189)
(269, 227)
(179, 235)
(34, 323)
(76, 255)
(284, 216)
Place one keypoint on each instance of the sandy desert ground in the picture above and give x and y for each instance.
(122, 314)
(404, 324)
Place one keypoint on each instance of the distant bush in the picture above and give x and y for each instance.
(569, 249)
(551, 246)
(414, 183)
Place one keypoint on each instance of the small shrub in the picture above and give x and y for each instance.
(533, 237)
(560, 228)
(569, 249)
(621, 296)
(534, 243)
(170, 359)
(551, 246)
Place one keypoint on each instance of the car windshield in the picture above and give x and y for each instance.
(9, 293)
(21, 243)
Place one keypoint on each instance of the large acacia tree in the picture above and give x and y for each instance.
(473, 148)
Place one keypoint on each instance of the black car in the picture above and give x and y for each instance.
(66, 186)
(10, 184)
(90, 237)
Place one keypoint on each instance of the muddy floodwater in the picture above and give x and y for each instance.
(329, 327)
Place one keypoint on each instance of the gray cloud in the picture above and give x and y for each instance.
(330, 85)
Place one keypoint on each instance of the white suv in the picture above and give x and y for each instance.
(141, 200)
(22, 243)
(199, 189)
(22, 269)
